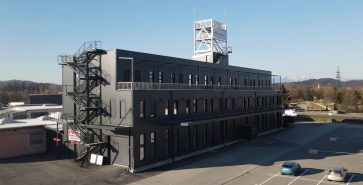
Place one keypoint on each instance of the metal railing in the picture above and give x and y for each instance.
(182, 86)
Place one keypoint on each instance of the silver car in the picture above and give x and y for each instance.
(337, 173)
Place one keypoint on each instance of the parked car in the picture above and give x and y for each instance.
(337, 173)
(290, 168)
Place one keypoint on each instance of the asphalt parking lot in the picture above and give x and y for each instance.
(255, 162)
(341, 146)
(258, 162)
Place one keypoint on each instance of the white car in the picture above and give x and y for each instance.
(337, 173)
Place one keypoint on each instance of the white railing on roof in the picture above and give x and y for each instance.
(182, 86)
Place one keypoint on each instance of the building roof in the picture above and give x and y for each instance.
(33, 108)
(24, 123)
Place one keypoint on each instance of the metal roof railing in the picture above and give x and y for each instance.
(182, 86)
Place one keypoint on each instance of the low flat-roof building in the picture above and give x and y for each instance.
(23, 137)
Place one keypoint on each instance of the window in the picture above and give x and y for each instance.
(211, 108)
(245, 82)
(211, 81)
(36, 138)
(219, 81)
(221, 104)
(235, 81)
(190, 79)
(142, 109)
(152, 145)
(195, 106)
(194, 136)
(142, 147)
(137, 76)
(166, 107)
(254, 82)
(181, 78)
(172, 78)
(230, 81)
(205, 105)
(187, 107)
(175, 107)
(226, 104)
(196, 79)
(233, 104)
(161, 76)
(205, 80)
(122, 108)
(167, 142)
(244, 102)
(151, 76)
(153, 108)
(205, 134)
(126, 75)
(248, 102)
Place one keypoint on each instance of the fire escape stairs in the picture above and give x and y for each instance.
(90, 105)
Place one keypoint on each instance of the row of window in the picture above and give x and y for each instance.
(152, 153)
(194, 79)
(227, 131)
(191, 106)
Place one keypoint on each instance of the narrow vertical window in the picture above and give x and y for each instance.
(172, 78)
(161, 77)
(211, 105)
(152, 145)
(245, 82)
(219, 81)
(205, 105)
(205, 134)
(221, 104)
(233, 104)
(153, 108)
(142, 147)
(205, 79)
(181, 78)
(166, 107)
(151, 76)
(190, 79)
(196, 79)
(142, 109)
(195, 106)
(175, 107)
(211, 81)
(230, 81)
(167, 142)
(187, 107)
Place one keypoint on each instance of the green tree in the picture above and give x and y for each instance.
(285, 96)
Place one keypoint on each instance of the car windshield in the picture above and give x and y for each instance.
(288, 165)
(336, 171)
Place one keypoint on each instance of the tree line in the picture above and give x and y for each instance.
(347, 99)
(18, 91)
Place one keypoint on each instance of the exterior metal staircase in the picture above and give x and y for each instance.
(86, 94)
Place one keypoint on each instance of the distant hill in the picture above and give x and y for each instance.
(328, 82)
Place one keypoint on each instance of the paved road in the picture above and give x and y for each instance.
(258, 162)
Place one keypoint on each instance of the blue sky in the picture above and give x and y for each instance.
(293, 38)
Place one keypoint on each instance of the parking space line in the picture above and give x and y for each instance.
(299, 176)
(269, 178)
(322, 180)
(350, 179)
(306, 179)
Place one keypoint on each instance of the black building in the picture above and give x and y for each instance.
(141, 110)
